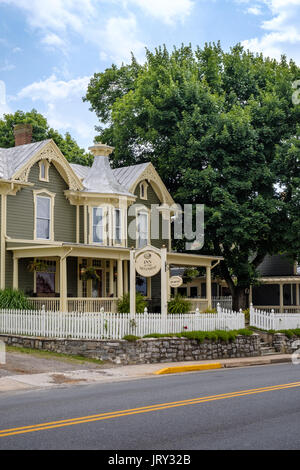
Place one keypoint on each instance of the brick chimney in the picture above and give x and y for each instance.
(23, 134)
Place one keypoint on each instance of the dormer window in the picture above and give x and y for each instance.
(44, 170)
(143, 190)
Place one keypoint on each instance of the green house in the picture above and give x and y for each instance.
(67, 230)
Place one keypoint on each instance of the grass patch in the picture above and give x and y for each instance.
(288, 333)
(53, 355)
(201, 336)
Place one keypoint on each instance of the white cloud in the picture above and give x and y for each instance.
(168, 11)
(120, 38)
(60, 101)
(254, 11)
(53, 89)
(282, 30)
(7, 67)
(53, 39)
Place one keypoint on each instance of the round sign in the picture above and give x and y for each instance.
(176, 281)
(148, 264)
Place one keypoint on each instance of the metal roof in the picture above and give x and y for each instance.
(12, 159)
(101, 179)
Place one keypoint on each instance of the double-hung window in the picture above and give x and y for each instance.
(43, 217)
(142, 229)
(117, 226)
(98, 227)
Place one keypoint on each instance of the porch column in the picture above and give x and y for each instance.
(168, 285)
(125, 277)
(3, 241)
(63, 284)
(111, 278)
(208, 286)
(16, 273)
(164, 281)
(297, 294)
(132, 283)
(281, 297)
(120, 278)
(250, 295)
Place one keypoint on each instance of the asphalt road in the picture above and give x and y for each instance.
(242, 419)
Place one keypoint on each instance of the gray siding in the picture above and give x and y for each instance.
(20, 208)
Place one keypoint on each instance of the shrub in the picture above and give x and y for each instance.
(247, 314)
(131, 338)
(124, 303)
(210, 310)
(179, 305)
(14, 299)
(200, 336)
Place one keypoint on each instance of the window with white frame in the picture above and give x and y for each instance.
(117, 226)
(43, 217)
(98, 226)
(142, 229)
(44, 170)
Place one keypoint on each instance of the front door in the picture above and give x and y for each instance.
(97, 286)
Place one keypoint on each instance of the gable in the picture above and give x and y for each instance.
(51, 153)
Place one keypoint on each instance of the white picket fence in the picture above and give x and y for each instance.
(267, 320)
(113, 325)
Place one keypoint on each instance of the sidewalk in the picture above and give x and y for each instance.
(115, 374)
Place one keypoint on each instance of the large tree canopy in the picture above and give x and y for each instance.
(41, 131)
(221, 129)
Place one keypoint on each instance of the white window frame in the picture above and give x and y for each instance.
(46, 165)
(115, 241)
(144, 187)
(51, 197)
(104, 221)
(142, 211)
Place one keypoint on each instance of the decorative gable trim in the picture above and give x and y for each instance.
(152, 177)
(51, 153)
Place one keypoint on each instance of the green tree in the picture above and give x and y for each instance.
(41, 131)
(216, 126)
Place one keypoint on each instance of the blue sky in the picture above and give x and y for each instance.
(49, 49)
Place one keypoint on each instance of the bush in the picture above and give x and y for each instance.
(124, 304)
(210, 310)
(179, 305)
(14, 299)
(200, 336)
(247, 314)
(131, 338)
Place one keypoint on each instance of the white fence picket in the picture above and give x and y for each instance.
(266, 320)
(113, 326)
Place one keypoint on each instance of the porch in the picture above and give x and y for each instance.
(64, 287)
(281, 294)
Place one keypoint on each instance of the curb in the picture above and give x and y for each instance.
(176, 370)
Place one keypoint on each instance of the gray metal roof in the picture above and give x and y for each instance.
(101, 179)
(126, 176)
(12, 159)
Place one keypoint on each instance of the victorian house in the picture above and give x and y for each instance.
(65, 229)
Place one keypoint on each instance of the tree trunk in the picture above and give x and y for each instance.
(240, 299)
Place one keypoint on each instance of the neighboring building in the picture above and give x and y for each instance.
(280, 285)
(60, 221)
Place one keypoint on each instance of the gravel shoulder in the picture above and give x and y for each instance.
(19, 362)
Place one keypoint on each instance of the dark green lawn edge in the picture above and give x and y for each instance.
(200, 336)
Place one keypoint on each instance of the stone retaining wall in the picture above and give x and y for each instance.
(143, 351)
(283, 344)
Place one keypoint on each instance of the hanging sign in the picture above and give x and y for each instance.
(148, 264)
(176, 281)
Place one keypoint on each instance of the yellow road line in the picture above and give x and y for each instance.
(192, 368)
(145, 409)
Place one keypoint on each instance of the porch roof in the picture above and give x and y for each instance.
(106, 252)
(280, 280)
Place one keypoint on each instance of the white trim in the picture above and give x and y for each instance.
(41, 194)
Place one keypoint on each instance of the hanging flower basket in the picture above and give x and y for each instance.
(39, 266)
(89, 273)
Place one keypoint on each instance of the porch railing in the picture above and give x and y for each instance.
(85, 305)
(273, 321)
(81, 305)
(51, 304)
(277, 309)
